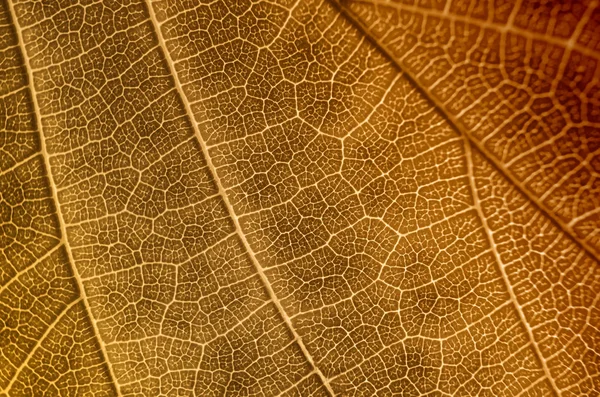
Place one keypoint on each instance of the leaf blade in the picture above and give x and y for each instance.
(286, 211)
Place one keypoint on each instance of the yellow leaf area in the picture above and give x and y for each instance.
(299, 198)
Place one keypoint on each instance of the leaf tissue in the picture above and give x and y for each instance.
(299, 198)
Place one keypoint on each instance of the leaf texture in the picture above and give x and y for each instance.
(299, 198)
(520, 79)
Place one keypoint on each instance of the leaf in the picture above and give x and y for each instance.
(238, 198)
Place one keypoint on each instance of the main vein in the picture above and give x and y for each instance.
(507, 283)
(230, 210)
(61, 222)
(457, 125)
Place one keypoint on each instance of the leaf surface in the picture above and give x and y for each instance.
(518, 78)
(236, 198)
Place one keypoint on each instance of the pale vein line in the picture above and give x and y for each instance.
(61, 222)
(38, 343)
(511, 292)
(18, 164)
(571, 44)
(581, 217)
(32, 266)
(286, 391)
(221, 189)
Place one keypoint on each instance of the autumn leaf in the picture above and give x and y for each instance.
(311, 197)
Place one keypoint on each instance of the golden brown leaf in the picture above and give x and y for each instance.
(299, 198)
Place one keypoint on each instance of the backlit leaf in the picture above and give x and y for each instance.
(299, 198)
